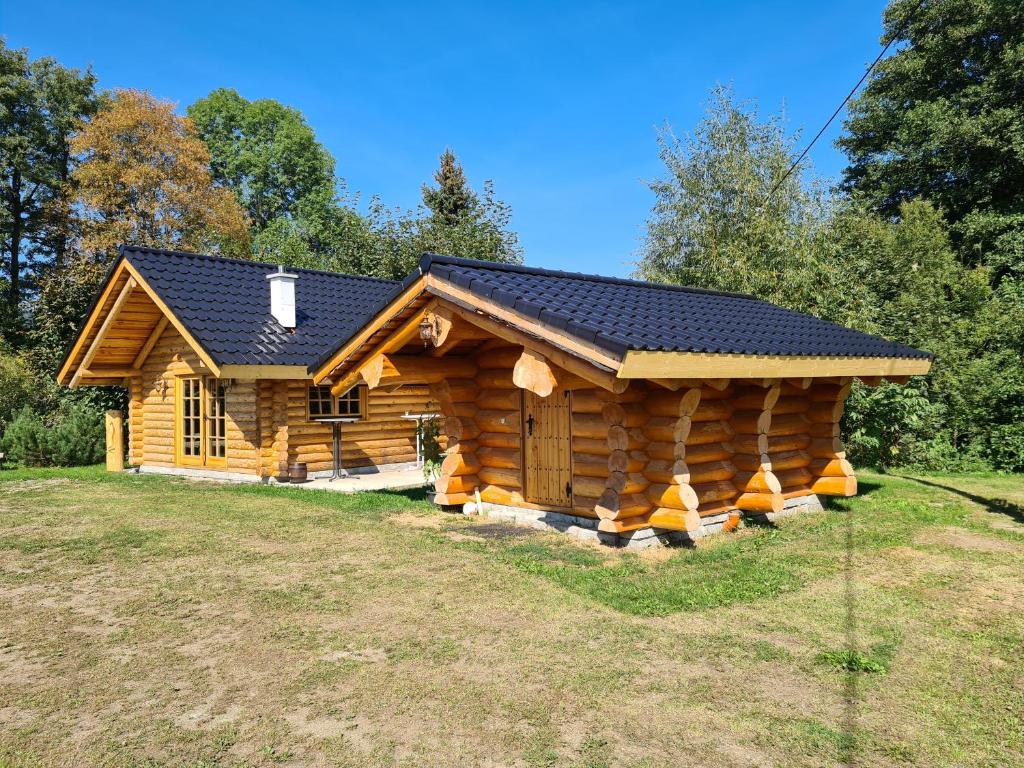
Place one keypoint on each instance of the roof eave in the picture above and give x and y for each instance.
(645, 364)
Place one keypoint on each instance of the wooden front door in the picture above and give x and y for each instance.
(547, 449)
(200, 431)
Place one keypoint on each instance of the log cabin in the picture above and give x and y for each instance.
(215, 354)
(637, 409)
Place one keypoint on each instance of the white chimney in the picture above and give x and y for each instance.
(282, 296)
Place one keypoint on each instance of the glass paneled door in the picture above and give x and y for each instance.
(200, 429)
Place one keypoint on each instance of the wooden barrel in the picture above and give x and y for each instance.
(282, 472)
(297, 472)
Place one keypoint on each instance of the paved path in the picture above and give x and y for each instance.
(401, 480)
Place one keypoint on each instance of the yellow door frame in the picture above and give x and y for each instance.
(204, 459)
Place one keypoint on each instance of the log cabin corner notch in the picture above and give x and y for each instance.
(216, 385)
(648, 408)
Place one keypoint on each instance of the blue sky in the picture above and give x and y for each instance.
(556, 102)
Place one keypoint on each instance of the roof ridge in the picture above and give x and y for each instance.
(172, 252)
(429, 258)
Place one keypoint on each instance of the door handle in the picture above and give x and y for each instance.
(529, 426)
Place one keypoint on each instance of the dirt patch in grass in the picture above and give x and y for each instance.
(965, 539)
(413, 520)
(27, 486)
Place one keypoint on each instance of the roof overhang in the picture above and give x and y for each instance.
(674, 365)
(122, 280)
(417, 297)
(634, 364)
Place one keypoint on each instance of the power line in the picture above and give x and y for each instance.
(899, 34)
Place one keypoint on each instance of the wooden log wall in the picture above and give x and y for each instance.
(709, 451)
(171, 356)
(456, 400)
(607, 444)
(498, 415)
(830, 473)
(269, 461)
(383, 437)
(242, 427)
(136, 425)
(706, 452)
(152, 412)
(757, 489)
(266, 420)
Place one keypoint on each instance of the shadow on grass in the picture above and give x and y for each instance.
(412, 494)
(1000, 506)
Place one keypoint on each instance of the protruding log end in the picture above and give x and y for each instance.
(615, 506)
(532, 372)
(625, 525)
(835, 486)
(760, 502)
(675, 519)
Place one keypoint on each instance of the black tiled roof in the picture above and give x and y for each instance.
(621, 315)
(225, 305)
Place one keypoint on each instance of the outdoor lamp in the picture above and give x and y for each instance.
(427, 331)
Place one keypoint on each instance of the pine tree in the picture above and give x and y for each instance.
(452, 202)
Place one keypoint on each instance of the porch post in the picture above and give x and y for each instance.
(115, 441)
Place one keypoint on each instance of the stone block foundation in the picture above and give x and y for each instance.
(585, 528)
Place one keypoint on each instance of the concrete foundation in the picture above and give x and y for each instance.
(797, 505)
(585, 528)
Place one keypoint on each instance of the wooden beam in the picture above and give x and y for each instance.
(532, 372)
(561, 358)
(670, 384)
(290, 372)
(443, 322)
(108, 373)
(372, 370)
(419, 369)
(101, 334)
(114, 423)
(401, 336)
(554, 336)
(652, 365)
(461, 331)
(93, 317)
(151, 341)
(396, 307)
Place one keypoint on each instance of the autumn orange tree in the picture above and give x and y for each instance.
(144, 179)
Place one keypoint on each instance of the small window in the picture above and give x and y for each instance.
(321, 402)
(351, 403)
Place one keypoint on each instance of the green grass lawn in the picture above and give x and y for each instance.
(155, 621)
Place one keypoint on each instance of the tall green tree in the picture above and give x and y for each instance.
(943, 119)
(451, 201)
(715, 224)
(324, 231)
(715, 221)
(455, 220)
(41, 104)
(264, 151)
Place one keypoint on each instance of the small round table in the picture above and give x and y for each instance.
(336, 422)
(418, 418)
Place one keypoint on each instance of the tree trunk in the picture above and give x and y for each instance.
(14, 292)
